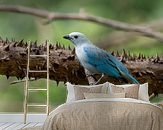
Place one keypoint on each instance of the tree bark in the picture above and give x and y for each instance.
(65, 67)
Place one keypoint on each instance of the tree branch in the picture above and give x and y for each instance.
(142, 30)
(122, 38)
(64, 66)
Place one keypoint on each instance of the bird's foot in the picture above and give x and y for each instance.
(99, 79)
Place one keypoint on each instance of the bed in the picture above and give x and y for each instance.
(106, 114)
(106, 107)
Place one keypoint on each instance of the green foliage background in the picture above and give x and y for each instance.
(20, 26)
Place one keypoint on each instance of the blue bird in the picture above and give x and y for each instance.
(97, 60)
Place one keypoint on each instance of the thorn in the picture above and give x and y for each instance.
(63, 47)
(150, 72)
(59, 45)
(7, 76)
(157, 59)
(69, 47)
(45, 44)
(73, 51)
(64, 81)
(20, 43)
(139, 56)
(134, 57)
(17, 77)
(143, 72)
(26, 44)
(123, 60)
(124, 53)
(57, 82)
(140, 74)
(118, 55)
(129, 54)
(142, 56)
(19, 67)
(40, 46)
(53, 70)
(39, 68)
(3, 43)
(56, 45)
(5, 58)
(56, 64)
(13, 40)
(23, 53)
(7, 40)
(113, 53)
(13, 44)
(66, 67)
(22, 77)
(7, 48)
(35, 43)
(50, 46)
(73, 72)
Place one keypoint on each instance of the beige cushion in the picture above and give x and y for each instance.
(80, 90)
(143, 90)
(131, 91)
(103, 95)
(76, 92)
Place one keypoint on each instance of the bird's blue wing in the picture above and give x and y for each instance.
(104, 62)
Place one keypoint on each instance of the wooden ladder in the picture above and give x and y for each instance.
(29, 89)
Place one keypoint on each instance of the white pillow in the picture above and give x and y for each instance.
(143, 90)
(142, 94)
(71, 93)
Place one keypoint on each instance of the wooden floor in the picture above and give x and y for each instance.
(17, 126)
(12, 121)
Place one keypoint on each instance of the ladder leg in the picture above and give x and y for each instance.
(47, 109)
(26, 87)
(25, 103)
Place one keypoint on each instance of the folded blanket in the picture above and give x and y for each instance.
(104, 114)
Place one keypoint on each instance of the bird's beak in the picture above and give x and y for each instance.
(67, 37)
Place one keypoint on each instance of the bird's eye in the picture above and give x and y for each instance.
(75, 36)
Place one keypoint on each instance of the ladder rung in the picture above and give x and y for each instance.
(38, 71)
(36, 89)
(37, 105)
(38, 55)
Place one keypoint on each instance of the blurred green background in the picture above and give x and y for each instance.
(21, 26)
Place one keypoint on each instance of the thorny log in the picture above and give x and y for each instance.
(65, 67)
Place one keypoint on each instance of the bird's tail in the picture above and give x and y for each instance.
(129, 77)
(132, 79)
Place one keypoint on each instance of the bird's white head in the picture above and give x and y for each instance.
(77, 38)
